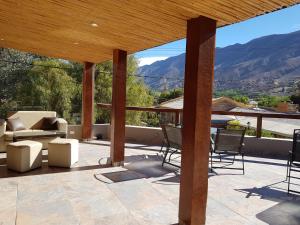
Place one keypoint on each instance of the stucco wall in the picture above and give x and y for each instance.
(134, 134)
(268, 147)
(263, 147)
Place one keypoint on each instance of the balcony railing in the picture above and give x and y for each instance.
(257, 115)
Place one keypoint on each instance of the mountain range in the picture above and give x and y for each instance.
(269, 64)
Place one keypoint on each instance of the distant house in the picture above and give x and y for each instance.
(218, 104)
(279, 127)
(287, 107)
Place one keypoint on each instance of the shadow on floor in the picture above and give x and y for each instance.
(45, 169)
(139, 167)
(127, 145)
(275, 192)
(169, 180)
(284, 213)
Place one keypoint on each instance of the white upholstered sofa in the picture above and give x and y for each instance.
(33, 122)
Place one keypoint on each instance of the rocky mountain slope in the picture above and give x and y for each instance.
(269, 64)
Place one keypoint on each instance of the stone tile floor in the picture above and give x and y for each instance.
(142, 192)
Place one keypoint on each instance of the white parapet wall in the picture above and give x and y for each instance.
(263, 147)
(133, 134)
(268, 147)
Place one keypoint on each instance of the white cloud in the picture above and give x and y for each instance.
(149, 60)
(296, 26)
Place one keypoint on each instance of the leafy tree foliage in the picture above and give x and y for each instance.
(271, 101)
(49, 85)
(14, 66)
(103, 90)
(233, 94)
(167, 95)
(295, 98)
(137, 94)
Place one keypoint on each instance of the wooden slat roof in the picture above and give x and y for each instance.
(63, 28)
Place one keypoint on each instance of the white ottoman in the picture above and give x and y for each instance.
(63, 152)
(24, 155)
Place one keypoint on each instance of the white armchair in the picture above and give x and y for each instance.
(62, 125)
(33, 122)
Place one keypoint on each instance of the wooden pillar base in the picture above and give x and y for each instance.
(117, 164)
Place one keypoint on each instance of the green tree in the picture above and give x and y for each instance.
(137, 93)
(48, 85)
(271, 101)
(233, 94)
(242, 99)
(167, 95)
(14, 65)
(103, 90)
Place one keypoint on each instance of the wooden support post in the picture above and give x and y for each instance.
(198, 86)
(118, 107)
(259, 126)
(87, 100)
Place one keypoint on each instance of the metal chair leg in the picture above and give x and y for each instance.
(211, 161)
(165, 156)
(243, 163)
(162, 146)
(287, 168)
(171, 155)
(289, 179)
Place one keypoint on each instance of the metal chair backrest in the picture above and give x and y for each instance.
(229, 140)
(296, 146)
(165, 118)
(163, 129)
(174, 136)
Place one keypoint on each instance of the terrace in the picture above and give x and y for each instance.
(132, 187)
(141, 192)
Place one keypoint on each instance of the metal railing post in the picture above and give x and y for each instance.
(259, 126)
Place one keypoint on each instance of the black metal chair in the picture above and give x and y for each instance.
(293, 163)
(173, 141)
(165, 138)
(165, 118)
(228, 142)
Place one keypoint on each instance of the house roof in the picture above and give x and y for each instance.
(177, 103)
(283, 127)
(88, 30)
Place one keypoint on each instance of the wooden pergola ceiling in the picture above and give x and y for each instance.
(89, 30)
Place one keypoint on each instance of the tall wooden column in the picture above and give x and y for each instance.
(198, 85)
(118, 107)
(87, 100)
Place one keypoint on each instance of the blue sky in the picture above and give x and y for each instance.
(280, 22)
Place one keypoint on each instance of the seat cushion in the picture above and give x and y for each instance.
(31, 119)
(49, 123)
(8, 135)
(15, 124)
